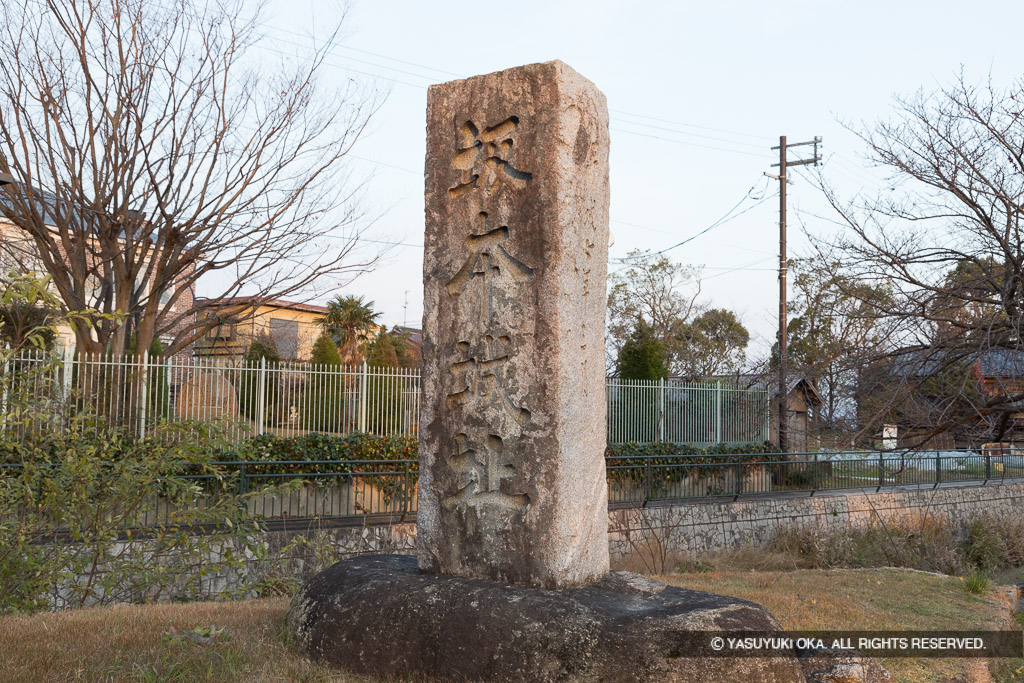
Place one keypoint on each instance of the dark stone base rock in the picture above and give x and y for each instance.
(378, 615)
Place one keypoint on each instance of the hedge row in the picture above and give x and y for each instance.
(316, 452)
(639, 453)
(332, 453)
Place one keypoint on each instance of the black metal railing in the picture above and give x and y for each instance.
(375, 491)
(643, 479)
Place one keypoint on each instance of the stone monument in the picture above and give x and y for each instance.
(512, 490)
(207, 395)
(512, 438)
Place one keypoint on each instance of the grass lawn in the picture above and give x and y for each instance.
(150, 643)
(872, 599)
(135, 642)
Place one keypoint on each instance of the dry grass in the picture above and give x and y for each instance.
(135, 642)
(990, 543)
(870, 599)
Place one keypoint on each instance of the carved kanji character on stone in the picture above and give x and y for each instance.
(490, 265)
(483, 159)
(480, 381)
(485, 472)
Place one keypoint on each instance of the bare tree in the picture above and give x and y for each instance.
(833, 335)
(945, 237)
(654, 289)
(155, 145)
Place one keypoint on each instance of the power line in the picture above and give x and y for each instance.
(691, 144)
(367, 52)
(382, 163)
(728, 216)
(690, 125)
(364, 61)
(420, 65)
(309, 45)
(743, 267)
(683, 132)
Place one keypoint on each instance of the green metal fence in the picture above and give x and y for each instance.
(698, 413)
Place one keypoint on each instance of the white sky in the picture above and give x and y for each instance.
(720, 82)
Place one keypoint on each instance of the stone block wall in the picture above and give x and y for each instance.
(704, 527)
(682, 529)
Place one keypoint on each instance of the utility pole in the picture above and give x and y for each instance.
(784, 163)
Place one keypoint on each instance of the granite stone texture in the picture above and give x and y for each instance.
(377, 615)
(512, 475)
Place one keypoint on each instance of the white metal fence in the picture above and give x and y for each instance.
(286, 399)
(292, 398)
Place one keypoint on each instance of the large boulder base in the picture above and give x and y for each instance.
(378, 615)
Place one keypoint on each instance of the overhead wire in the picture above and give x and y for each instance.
(309, 42)
(449, 73)
(842, 167)
(727, 217)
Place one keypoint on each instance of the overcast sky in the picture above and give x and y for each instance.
(698, 94)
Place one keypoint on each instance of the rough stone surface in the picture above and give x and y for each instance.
(512, 433)
(207, 395)
(842, 666)
(378, 615)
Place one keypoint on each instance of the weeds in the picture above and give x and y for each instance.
(977, 583)
(984, 544)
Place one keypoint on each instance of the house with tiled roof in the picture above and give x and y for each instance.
(977, 394)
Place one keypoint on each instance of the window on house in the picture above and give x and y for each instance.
(285, 334)
(165, 296)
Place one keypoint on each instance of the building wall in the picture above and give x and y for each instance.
(798, 423)
(17, 251)
(219, 345)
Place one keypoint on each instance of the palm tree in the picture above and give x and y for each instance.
(351, 322)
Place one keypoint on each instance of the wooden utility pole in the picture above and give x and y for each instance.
(784, 163)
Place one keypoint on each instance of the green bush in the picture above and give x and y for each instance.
(654, 466)
(977, 583)
(323, 401)
(158, 391)
(368, 455)
(801, 476)
(684, 450)
(65, 519)
(383, 390)
(326, 453)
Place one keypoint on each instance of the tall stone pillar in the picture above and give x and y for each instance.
(512, 478)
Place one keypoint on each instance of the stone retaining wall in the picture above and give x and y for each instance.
(703, 527)
(636, 536)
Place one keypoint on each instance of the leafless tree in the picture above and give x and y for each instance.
(945, 238)
(157, 144)
(651, 288)
(834, 334)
